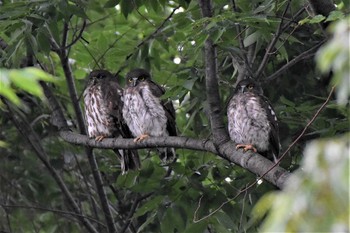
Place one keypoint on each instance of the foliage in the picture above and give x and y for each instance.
(317, 196)
(23, 79)
(75, 37)
(335, 56)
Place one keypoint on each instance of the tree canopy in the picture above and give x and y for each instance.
(55, 179)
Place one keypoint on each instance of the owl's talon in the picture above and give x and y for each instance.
(99, 138)
(246, 147)
(141, 137)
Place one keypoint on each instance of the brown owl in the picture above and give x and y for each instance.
(145, 113)
(103, 113)
(252, 122)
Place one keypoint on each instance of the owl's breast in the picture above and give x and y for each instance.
(248, 122)
(99, 121)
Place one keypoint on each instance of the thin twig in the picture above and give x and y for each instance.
(60, 212)
(304, 55)
(272, 43)
(144, 17)
(131, 213)
(77, 37)
(152, 35)
(24, 128)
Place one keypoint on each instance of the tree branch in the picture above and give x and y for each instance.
(251, 161)
(71, 84)
(272, 43)
(218, 127)
(304, 55)
(148, 38)
(60, 122)
(77, 37)
(28, 133)
(60, 212)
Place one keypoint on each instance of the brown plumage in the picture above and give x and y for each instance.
(252, 122)
(145, 113)
(103, 113)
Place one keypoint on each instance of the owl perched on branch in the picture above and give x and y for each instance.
(145, 113)
(103, 113)
(252, 122)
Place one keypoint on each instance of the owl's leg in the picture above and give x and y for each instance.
(246, 147)
(141, 137)
(99, 138)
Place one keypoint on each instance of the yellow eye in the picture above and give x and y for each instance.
(129, 80)
(142, 78)
(250, 86)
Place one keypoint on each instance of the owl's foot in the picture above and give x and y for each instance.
(246, 147)
(99, 138)
(141, 137)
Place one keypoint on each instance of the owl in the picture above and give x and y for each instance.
(146, 114)
(103, 114)
(252, 122)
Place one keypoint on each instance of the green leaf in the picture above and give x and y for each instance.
(111, 3)
(251, 39)
(6, 90)
(287, 102)
(335, 15)
(126, 7)
(197, 227)
(150, 205)
(27, 82)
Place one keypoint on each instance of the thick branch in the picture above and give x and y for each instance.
(218, 128)
(72, 90)
(253, 162)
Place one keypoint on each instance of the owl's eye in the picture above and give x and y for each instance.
(142, 78)
(130, 80)
(250, 86)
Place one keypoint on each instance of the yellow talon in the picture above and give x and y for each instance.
(141, 137)
(246, 147)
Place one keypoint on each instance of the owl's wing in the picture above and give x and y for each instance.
(112, 96)
(168, 106)
(272, 118)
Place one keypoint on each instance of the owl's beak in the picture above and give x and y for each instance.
(134, 81)
(243, 89)
(94, 80)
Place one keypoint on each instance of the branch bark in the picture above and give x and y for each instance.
(251, 161)
(218, 128)
(63, 54)
(60, 122)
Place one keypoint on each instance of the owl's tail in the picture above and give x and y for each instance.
(129, 160)
(167, 155)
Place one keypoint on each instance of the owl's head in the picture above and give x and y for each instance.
(97, 76)
(136, 76)
(248, 85)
